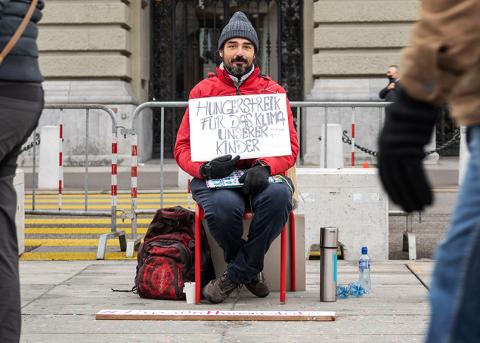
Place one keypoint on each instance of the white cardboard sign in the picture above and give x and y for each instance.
(247, 125)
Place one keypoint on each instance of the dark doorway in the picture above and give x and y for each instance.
(184, 43)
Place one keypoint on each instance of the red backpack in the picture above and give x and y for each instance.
(166, 258)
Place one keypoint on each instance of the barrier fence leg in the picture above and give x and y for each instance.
(121, 234)
(134, 241)
(162, 135)
(102, 242)
(34, 173)
(409, 239)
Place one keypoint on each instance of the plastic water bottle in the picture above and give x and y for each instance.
(364, 271)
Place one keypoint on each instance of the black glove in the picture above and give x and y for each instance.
(255, 179)
(219, 167)
(408, 127)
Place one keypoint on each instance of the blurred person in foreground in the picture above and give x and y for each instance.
(441, 65)
(21, 103)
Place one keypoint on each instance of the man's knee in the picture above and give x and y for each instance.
(277, 195)
(224, 207)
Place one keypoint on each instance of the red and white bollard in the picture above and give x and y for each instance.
(114, 175)
(131, 244)
(134, 174)
(60, 162)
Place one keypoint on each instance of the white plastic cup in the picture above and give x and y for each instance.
(189, 290)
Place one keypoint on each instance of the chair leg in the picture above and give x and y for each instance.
(293, 265)
(283, 266)
(198, 253)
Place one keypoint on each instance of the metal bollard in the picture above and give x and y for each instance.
(328, 264)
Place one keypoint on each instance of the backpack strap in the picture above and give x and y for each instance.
(21, 28)
(134, 290)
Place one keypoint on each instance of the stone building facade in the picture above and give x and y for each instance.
(352, 43)
(100, 52)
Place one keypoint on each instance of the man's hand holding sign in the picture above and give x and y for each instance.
(219, 167)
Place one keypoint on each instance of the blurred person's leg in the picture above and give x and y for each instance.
(9, 281)
(20, 108)
(454, 295)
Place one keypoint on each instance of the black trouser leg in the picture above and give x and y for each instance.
(20, 108)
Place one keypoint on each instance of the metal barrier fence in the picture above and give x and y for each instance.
(327, 105)
(113, 191)
(135, 240)
(298, 105)
(129, 246)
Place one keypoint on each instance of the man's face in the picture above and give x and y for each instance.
(392, 73)
(237, 56)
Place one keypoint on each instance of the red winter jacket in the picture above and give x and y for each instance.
(222, 85)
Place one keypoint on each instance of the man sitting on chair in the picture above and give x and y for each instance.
(224, 208)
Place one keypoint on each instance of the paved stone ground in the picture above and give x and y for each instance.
(60, 300)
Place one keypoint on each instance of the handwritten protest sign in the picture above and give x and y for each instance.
(247, 125)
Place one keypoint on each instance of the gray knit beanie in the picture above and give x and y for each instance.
(238, 26)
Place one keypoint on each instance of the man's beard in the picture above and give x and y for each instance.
(237, 70)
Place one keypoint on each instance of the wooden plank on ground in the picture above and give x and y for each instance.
(215, 315)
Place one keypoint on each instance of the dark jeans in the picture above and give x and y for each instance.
(224, 209)
(20, 108)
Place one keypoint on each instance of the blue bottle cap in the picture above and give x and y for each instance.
(364, 250)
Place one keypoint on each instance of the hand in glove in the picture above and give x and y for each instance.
(255, 179)
(219, 167)
(408, 127)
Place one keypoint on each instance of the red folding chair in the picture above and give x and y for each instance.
(199, 216)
